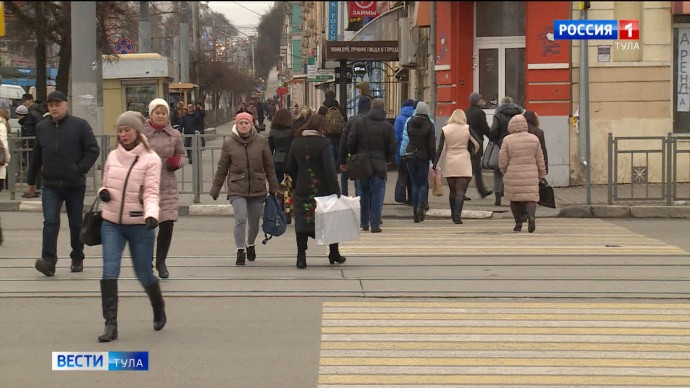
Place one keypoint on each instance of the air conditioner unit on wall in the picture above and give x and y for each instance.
(406, 47)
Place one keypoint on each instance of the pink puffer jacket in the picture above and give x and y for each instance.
(522, 163)
(133, 187)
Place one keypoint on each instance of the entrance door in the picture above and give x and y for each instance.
(499, 69)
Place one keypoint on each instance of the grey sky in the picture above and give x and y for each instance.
(245, 20)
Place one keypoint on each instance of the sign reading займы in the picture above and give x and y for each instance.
(373, 50)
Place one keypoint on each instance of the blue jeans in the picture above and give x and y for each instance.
(371, 204)
(52, 199)
(419, 173)
(140, 239)
(335, 151)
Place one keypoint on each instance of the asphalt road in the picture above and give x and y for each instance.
(579, 302)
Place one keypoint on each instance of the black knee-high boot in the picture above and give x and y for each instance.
(334, 254)
(165, 230)
(458, 204)
(301, 250)
(109, 304)
(516, 208)
(531, 208)
(156, 298)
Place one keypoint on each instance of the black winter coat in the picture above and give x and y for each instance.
(310, 165)
(422, 137)
(476, 119)
(279, 140)
(375, 134)
(64, 152)
(502, 116)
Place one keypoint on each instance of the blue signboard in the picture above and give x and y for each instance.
(332, 20)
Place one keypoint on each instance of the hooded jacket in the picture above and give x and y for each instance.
(405, 113)
(133, 180)
(502, 116)
(247, 164)
(374, 134)
(522, 163)
(419, 135)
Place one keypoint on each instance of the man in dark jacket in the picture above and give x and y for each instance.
(334, 138)
(189, 124)
(64, 152)
(499, 130)
(363, 107)
(373, 134)
(476, 119)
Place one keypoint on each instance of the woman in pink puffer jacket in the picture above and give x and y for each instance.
(131, 181)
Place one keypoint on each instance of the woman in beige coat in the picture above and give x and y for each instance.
(455, 160)
(521, 161)
(168, 144)
(4, 131)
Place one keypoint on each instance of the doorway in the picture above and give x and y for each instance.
(499, 69)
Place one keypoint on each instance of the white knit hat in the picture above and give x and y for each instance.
(156, 102)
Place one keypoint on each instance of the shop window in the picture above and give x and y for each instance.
(139, 96)
(500, 18)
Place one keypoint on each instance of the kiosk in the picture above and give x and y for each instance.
(130, 82)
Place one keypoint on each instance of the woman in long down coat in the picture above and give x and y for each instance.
(168, 144)
(521, 161)
(310, 163)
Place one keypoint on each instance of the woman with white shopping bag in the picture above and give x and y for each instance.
(310, 164)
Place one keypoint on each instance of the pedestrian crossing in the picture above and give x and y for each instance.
(516, 344)
(554, 236)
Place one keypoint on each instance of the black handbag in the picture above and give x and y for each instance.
(490, 157)
(546, 196)
(90, 232)
(359, 165)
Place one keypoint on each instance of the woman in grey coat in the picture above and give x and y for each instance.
(167, 143)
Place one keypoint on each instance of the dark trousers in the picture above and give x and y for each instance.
(52, 201)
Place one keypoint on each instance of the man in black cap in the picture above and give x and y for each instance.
(65, 150)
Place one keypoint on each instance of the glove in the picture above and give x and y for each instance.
(173, 163)
(104, 195)
(151, 223)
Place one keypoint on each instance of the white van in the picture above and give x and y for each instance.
(49, 88)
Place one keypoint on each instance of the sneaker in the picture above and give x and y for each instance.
(45, 267)
(77, 266)
(364, 227)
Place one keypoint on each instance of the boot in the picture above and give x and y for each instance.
(156, 298)
(498, 199)
(301, 259)
(109, 304)
(421, 213)
(457, 207)
(531, 223)
(240, 257)
(518, 225)
(301, 250)
(162, 269)
(415, 215)
(251, 253)
(334, 254)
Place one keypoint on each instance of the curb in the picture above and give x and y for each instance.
(398, 211)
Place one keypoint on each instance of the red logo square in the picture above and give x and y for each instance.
(629, 29)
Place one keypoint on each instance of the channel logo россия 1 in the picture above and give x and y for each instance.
(596, 29)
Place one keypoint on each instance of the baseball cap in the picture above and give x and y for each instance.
(56, 96)
(22, 110)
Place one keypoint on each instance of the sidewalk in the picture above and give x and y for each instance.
(570, 201)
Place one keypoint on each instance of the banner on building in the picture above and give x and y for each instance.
(332, 20)
(372, 50)
(683, 96)
(360, 9)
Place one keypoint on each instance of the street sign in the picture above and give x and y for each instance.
(124, 46)
(321, 78)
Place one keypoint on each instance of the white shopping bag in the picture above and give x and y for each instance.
(337, 219)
